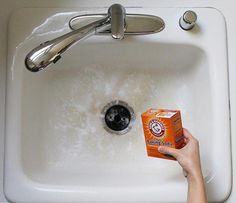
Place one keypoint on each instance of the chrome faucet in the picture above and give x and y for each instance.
(50, 51)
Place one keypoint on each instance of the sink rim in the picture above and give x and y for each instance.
(226, 122)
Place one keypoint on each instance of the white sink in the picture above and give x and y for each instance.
(57, 149)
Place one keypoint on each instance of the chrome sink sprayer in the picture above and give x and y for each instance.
(50, 51)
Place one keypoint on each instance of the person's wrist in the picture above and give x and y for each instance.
(195, 176)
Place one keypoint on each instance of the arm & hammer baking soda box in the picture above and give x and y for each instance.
(162, 127)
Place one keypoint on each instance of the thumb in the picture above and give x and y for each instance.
(168, 150)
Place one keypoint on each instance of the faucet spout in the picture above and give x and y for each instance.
(50, 51)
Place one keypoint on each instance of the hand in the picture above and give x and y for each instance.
(188, 157)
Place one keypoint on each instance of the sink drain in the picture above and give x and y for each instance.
(118, 117)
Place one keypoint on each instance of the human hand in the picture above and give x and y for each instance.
(188, 156)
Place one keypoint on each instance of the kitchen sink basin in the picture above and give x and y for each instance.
(57, 149)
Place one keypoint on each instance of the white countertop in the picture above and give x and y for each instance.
(226, 7)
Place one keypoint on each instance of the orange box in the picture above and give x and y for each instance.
(162, 127)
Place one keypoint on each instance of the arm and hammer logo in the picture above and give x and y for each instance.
(156, 128)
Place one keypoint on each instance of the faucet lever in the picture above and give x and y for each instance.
(117, 15)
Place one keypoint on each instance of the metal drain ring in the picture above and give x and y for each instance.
(126, 106)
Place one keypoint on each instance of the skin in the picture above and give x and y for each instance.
(189, 158)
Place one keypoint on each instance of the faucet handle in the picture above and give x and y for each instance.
(117, 15)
